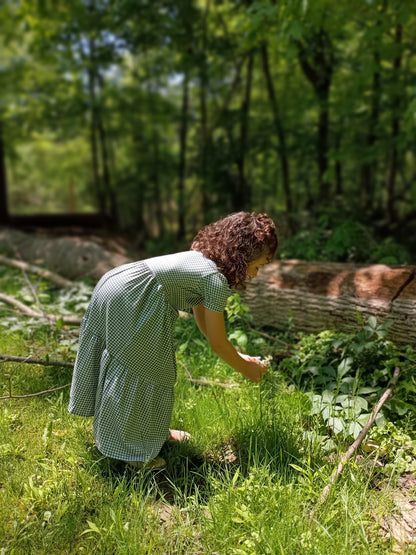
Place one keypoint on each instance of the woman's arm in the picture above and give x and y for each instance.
(212, 326)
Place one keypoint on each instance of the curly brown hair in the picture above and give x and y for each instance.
(235, 241)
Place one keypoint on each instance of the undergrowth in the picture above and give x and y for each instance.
(258, 460)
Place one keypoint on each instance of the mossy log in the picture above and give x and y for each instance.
(322, 295)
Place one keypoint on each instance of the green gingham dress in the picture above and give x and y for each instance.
(125, 369)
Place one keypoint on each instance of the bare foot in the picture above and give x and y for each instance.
(179, 435)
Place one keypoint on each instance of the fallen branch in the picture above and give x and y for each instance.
(33, 269)
(354, 446)
(270, 337)
(34, 360)
(25, 310)
(34, 394)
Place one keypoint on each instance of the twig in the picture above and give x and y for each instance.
(34, 394)
(46, 274)
(34, 360)
(354, 446)
(270, 337)
(27, 311)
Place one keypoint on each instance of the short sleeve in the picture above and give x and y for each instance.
(216, 291)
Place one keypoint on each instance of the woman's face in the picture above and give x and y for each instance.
(255, 265)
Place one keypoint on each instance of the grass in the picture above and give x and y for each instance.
(244, 484)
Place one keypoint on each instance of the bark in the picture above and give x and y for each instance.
(320, 296)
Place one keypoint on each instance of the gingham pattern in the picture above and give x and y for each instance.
(125, 368)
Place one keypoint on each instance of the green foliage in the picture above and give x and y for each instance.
(345, 241)
(394, 446)
(345, 373)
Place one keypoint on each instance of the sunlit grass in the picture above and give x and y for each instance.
(245, 483)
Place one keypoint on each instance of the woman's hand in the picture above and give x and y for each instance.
(253, 368)
(212, 325)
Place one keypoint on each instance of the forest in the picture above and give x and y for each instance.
(164, 115)
(126, 125)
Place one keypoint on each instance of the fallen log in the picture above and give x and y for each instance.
(70, 256)
(317, 296)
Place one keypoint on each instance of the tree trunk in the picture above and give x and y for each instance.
(317, 60)
(243, 193)
(105, 162)
(369, 166)
(4, 212)
(322, 295)
(395, 131)
(203, 77)
(157, 197)
(282, 150)
(183, 134)
(99, 193)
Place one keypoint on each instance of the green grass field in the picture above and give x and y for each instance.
(245, 484)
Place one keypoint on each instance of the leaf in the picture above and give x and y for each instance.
(337, 425)
(354, 429)
(344, 366)
(327, 396)
(93, 528)
(368, 390)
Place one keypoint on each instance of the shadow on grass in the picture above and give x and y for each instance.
(189, 471)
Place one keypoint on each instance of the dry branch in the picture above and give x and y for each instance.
(354, 446)
(32, 268)
(32, 360)
(34, 394)
(35, 360)
(27, 311)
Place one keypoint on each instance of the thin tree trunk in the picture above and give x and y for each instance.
(323, 131)
(339, 189)
(316, 61)
(395, 131)
(282, 150)
(243, 193)
(4, 212)
(109, 193)
(203, 76)
(182, 157)
(93, 133)
(368, 169)
(142, 230)
(156, 183)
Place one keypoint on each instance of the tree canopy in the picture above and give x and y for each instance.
(166, 114)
